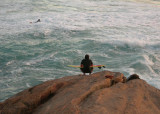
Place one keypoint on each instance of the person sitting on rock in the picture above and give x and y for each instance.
(86, 64)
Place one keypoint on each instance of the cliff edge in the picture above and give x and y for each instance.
(100, 93)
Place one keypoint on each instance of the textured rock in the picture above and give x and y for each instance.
(94, 94)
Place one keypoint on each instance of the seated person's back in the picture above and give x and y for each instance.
(86, 65)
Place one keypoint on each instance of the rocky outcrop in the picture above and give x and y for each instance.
(100, 93)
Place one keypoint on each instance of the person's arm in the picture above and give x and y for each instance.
(82, 64)
(91, 63)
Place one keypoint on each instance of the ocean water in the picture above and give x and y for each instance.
(124, 35)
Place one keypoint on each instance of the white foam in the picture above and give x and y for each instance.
(17, 71)
(157, 58)
(46, 78)
(147, 60)
(39, 59)
(9, 89)
(10, 62)
(150, 64)
(28, 85)
(47, 32)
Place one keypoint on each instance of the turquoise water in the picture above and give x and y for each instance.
(122, 34)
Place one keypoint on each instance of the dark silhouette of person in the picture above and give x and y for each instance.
(38, 21)
(86, 64)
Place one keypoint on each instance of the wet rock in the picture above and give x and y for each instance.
(94, 94)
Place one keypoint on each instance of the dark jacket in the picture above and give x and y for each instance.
(85, 64)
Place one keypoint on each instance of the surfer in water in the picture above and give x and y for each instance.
(85, 65)
(37, 21)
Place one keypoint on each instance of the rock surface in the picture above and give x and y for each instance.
(92, 94)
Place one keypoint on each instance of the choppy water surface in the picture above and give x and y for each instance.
(123, 35)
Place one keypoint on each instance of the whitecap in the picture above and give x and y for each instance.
(39, 59)
(147, 60)
(10, 62)
(27, 63)
(47, 32)
(28, 85)
(44, 79)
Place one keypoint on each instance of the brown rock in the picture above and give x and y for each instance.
(86, 95)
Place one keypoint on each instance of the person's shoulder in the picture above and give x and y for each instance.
(91, 61)
(83, 60)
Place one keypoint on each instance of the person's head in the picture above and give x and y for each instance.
(86, 56)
